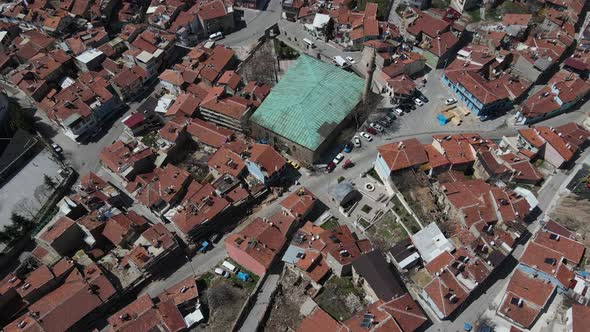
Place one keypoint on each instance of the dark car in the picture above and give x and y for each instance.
(330, 167)
(348, 147)
(391, 116)
(422, 97)
(372, 130)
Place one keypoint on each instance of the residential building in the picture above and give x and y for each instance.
(232, 112)
(161, 189)
(68, 306)
(400, 314)
(144, 314)
(565, 89)
(431, 242)
(225, 161)
(435, 38)
(216, 16)
(200, 212)
(376, 276)
(552, 257)
(559, 146)
(304, 124)
(123, 229)
(397, 156)
(299, 203)
(577, 318)
(127, 159)
(265, 163)
(152, 248)
(90, 59)
(209, 134)
(61, 235)
(525, 298)
(256, 247)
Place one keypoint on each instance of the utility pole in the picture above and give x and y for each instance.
(191, 264)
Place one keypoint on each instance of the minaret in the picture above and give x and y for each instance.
(369, 78)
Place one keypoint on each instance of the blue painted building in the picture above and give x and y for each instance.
(491, 102)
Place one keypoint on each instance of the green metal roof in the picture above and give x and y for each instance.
(309, 101)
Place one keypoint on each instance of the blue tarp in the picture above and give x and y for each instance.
(243, 276)
(467, 327)
(442, 120)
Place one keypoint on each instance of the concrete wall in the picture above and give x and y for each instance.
(552, 156)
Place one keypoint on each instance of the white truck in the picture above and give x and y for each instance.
(339, 61)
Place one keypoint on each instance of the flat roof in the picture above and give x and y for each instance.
(309, 102)
(89, 55)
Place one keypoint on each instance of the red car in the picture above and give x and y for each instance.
(330, 167)
(347, 164)
(372, 130)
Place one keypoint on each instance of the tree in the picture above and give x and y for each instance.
(329, 30)
(19, 118)
(26, 207)
(5, 238)
(219, 296)
(13, 232)
(49, 182)
(21, 222)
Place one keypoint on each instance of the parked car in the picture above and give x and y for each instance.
(348, 147)
(221, 272)
(418, 102)
(376, 126)
(338, 158)
(356, 141)
(330, 167)
(347, 164)
(57, 148)
(484, 118)
(294, 164)
(450, 101)
(214, 238)
(391, 115)
(398, 111)
(216, 36)
(422, 97)
(366, 136)
(350, 59)
(372, 131)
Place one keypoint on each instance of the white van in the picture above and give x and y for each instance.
(308, 43)
(216, 36)
(230, 267)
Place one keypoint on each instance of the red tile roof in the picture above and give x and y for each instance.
(201, 204)
(211, 10)
(516, 19)
(182, 292)
(259, 240)
(403, 154)
(425, 23)
(314, 265)
(580, 317)
(37, 279)
(172, 76)
(231, 79)
(185, 104)
(570, 249)
(57, 229)
(209, 133)
(319, 320)
(233, 106)
(225, 161)
(120, 155)
(299, 203)
(69, 303)
(144, 315)
(402, 84)
(439, 263)
(268, 158)
(163, 185)
(548, 261)
(446, 293)
(535, 293)
(118, 227)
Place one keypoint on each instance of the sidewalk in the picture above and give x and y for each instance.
(262, 301)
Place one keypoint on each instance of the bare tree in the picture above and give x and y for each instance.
(26, 207)
(41, 194)
(220, 295)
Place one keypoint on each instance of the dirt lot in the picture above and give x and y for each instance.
(386, 232)
(225, 302)
(421, 278)
(573, 212)
(285, 310)
(416, 190)
(340, 298)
